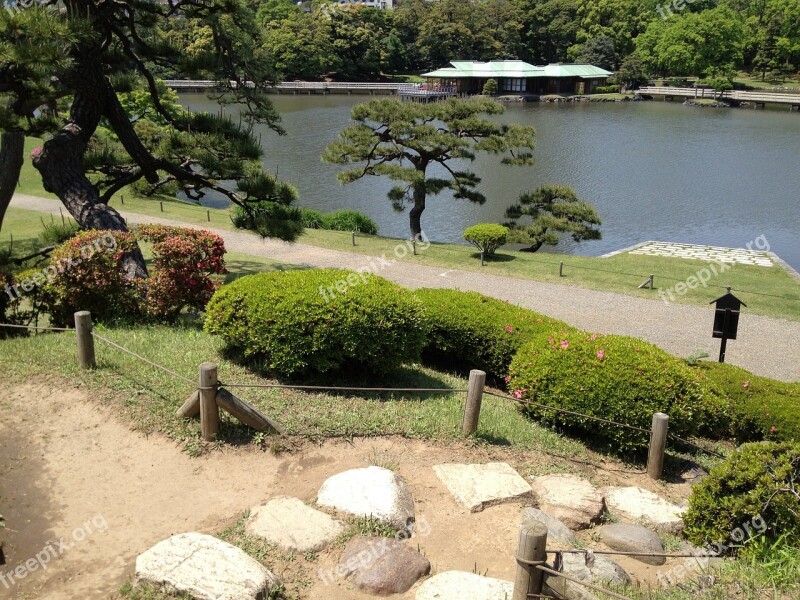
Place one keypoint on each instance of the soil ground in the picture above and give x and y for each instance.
(69, 468)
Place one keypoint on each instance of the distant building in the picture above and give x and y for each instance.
(379, 4)
(518, 77)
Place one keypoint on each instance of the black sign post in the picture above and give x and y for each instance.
(726, 320)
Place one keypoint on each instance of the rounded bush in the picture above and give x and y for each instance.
(85, 273)
(312, 219)
(613, 377)
(487, 237)
(472, 331)
(755, 489)
(319, 321)
(349, 220)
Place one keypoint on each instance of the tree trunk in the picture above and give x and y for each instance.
(12, 149)
(532, 248)
(415, 216)
(61, 164)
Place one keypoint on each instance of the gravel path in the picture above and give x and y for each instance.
(766, 346)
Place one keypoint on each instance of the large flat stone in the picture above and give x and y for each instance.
(479, 486)
(460, 585)
(570, 499)
(371, 492)
(627, 537)
(556, 530)
(644, 507)
(382, 566)
(293, 526)
(205, 568)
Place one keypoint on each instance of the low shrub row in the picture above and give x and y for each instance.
(340, 220)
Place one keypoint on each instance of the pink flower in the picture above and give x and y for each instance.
(594, 337)
(551, 341)
(518, 394)
(36, 152)
(508, 328)
(772, 429)
(507, 378)
(746, 385)
(601, 354)
(564, 344)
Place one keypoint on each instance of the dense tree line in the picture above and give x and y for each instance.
(705, 38)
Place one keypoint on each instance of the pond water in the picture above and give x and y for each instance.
(654, 170)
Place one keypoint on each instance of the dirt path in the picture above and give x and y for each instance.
(71, 470)
(765, 346)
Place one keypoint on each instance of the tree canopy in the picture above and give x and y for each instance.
(406, 141)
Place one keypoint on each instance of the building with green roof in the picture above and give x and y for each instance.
(518, 77)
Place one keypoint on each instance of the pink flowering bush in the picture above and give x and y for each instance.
(613, 377)
(186, 266)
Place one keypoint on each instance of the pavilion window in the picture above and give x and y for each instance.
(512, 84)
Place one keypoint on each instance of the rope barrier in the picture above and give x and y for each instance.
(693, 445)
(626, 553)
(592, 586)
(36, 327)
(143, 359)
(335, 388)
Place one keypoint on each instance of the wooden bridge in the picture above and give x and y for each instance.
(757, 99)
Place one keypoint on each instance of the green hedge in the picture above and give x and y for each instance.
(472, 331)
(750, 490)
(613, 377)
(762, 408)
(349, 220)
(318, 321)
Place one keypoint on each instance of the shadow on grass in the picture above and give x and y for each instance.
(241, 268)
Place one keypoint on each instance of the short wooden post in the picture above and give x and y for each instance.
(531, 549)
(83, 334)
(122, 198)
(209, 411)
(561, 269)
(652, 281)
(414, 246)
(162, 206)
(354, 238)
(472, 409)
(481, 257)
(658, 444)
(208, 215)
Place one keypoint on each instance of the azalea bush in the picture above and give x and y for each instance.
(613, 377)
(185, 265)
(756, 490)
(316, 321)
(85, 273)
(472, 331)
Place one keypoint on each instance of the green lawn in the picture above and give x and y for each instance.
(768, 291)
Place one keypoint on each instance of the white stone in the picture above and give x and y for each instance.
(460, 585)
(479, 486)
(599, 571)
(293, 526)
(570, 499)
(370, 492)
(204, 567)
(644, 507)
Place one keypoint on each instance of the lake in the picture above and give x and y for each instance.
(654, 170)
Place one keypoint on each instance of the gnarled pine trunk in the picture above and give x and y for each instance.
(12, 149)
(415, 216)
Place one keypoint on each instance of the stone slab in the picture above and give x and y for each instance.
(293, 526)
(460, 585)
(642, 506)
(628, 537)
(478, 486)
(571, 499)
(556, 530)
(382, 566)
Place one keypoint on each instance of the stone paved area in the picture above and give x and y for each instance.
(740, 256)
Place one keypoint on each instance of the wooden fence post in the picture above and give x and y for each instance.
(561, 269)
(83, 334)
(354, 238)
(472, 409)
(209, 411)
(532, 548)
(658, 444)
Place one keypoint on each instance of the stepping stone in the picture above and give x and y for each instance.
(205, 568)
(460, 585)
(638, 505)
(293, 526)
(371, 492)
(599, 571)
(479, 486)
(382, 566)
(556, 530)
(572, 500)
(628, 537)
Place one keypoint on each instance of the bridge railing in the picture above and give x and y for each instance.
(778, 97)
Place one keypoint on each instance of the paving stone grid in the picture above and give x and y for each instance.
(716, 253)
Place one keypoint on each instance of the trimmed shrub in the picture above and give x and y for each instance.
(756, 487)
(312, 219)
(319, 321)
(613, 377)
(490, 87)
(486, 237)
(606, 89)
(85, 273)
(762, 408)
(472, 331)
(349, 220)
(184, 261)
